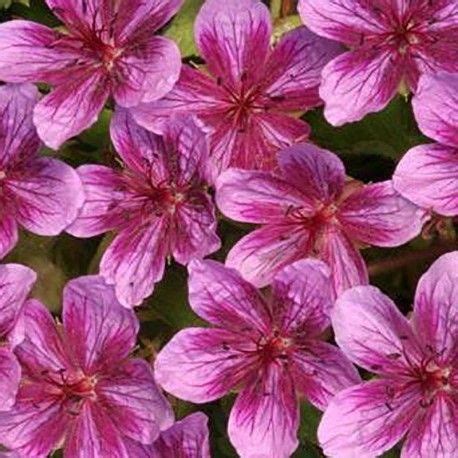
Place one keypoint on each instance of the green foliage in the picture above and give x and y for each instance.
(5, 4)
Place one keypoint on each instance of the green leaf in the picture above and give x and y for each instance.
(181, 30)
(389, 133)
(7, 3)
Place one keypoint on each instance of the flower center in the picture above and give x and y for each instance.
(274, 347)
(108, 55)
(434, 379)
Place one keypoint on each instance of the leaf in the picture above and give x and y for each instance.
(5, 4)
(389, 133)
(181, 29)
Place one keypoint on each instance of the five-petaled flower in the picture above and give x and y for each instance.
(41, 194)
(416, 392)
(157, 203)
(246, 96)
(79, 388)
(391, 43)
(16, 281)
(268, 348)
(309, 210)
(428, 174)
(108, 49)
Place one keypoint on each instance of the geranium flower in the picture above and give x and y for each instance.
(428, 174)
(268, 348)
(416, 393)
(187, 438)
(157, 203)
(309, 210)
(391, 43)
(108, 49)
(248, 91)
(41, 194)
(16, 281)
(79, 388)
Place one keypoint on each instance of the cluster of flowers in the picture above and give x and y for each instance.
(180, 130)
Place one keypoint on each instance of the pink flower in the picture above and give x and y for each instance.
(187, 438)
(267, 348)
(310, 210)
(108, 49)
(157, 203)
(416, 393)
(248, 92)
(391, 43)
(428, 174)
(41, 194)
(79, 388)
(16, 281)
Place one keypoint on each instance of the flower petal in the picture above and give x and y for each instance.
(187, 438)
(10, 370)
(348, 21)
(18, 137)
(434, 431)
(265, 417)
(147, 71)
(194, 93)
(48, 195)
(365, 420)
(262, 253)
(135, 260)
(436, 107)
(137, 18)
(36, 424)
(293, 70)
(377, 215)
(348, 268)
(193, 231)
(372, 332)
(30, 52)
(318, 173)
(100, 332)
(8, 234)
(103, 208)
(71, 107)
(133, 402)
(200, 365)
(220, 296)
(320, 371)
(16, 282)
(257, 196)
(359, 82)
(233, 38)
(436, 307)
(428, 176)
(42, 348)
(140, 150)
(93, 434)
(302, 298)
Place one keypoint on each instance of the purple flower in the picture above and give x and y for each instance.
(247, 89)
(16, 281)
(267, 348)
(41, 194)
(157, 203)
(79, 388)
(187, 438)
(416, 393)
(428, 174)
(391, 43)
(108, 49)
(310, 210)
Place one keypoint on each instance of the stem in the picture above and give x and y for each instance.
(276, 8)
(403, 260)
